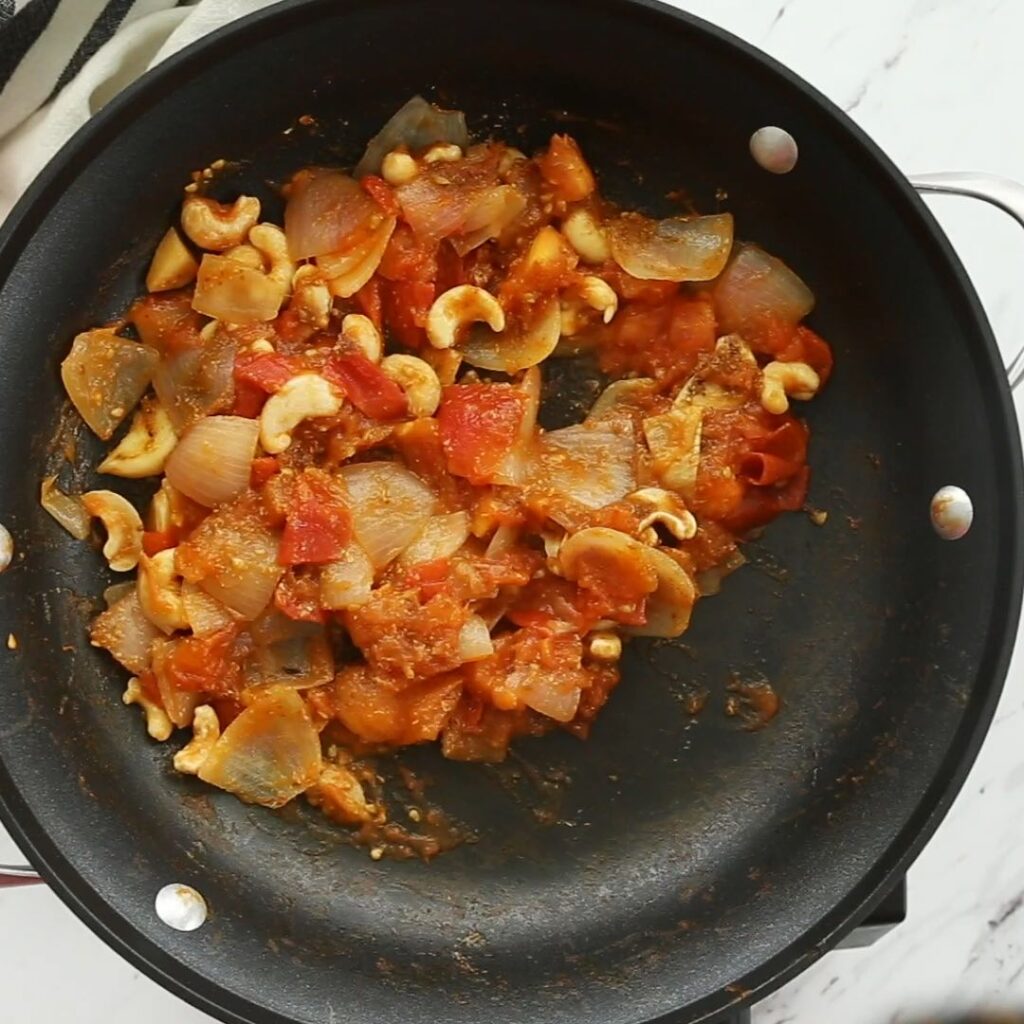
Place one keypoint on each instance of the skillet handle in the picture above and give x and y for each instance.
(17, 874)
(1004, 193)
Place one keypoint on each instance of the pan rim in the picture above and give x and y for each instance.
(230, 1006)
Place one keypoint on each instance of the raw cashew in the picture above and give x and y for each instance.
(311, 298)
(584, 234)
(215, 226)
(303, 397)
(205, 733)
(123, 525)
(418, 380)
(663, 507)
(442, 153)
(159, 589)
(599, 295)
(172, 266)
(158, 725)
(360, 331)
(144, 449)
(783, 381)
(270, 241)
(167, 509)
(459, 307)
(398, 168)
(604, 646)
(248, 255)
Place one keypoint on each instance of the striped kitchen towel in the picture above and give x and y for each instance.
(45, 43)
(62, 60)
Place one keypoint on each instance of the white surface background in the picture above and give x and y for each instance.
(938, 83)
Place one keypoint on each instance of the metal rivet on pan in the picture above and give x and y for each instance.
(774, 149)
(952, 512)
(6, 547)
(180, 907)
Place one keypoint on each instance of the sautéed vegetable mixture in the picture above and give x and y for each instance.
(361, 538)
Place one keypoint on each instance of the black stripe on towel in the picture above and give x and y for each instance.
(106, 24)
(21, 32)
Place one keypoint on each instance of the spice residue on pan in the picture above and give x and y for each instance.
(754, 703)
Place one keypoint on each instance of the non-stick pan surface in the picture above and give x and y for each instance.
(691, 863)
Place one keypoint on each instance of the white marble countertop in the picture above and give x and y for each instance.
(936, 83)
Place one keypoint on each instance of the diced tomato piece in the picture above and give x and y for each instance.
(408, 258)
(431, 577)
(262, 469)
(660, 341)
(419, 444)
(808, 347)
(595, 606)
(318, 525)
(479, 426)
(564, 168)
(151, 688)
(155, 541)
(205, 664)
(249, 400)
(451, 268)
(381, 193)
(298, 597)
(368, 388)
(603, 680)
(291, 327)
(369, 301)
(404, 638)
(167, 321)
(406, 305)
(545, 600)
(635, 289)
(268, 371)
(228, 709)
(760, 505)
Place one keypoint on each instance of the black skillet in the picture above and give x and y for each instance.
(692, 866)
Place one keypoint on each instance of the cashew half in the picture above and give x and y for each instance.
(205, 733)
(459, 307)
(123, 525)
(172, 266)
(158, 725)
(144, 449)
(168, 508)
(604, 646)
(248, 255)
(783, 381)
(584, 234)
(159, 589)
(665, 508)
(359, 330)
(215, 226)
(269, 240)
(599, 295)
(303, 397)
(311, 298)
(442, 153)
(418, 380)
(398, 168)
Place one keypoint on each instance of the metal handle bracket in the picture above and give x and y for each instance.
(17, 874)
(1004, 193)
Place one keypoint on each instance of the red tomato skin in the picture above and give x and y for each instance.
(479, 425)
(366, 385)
(317, 526)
